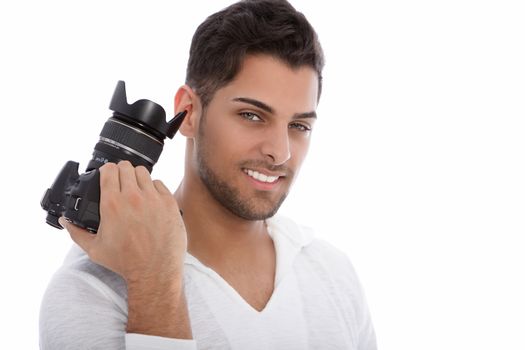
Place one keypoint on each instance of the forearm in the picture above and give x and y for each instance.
(142, 238)
(158, 308)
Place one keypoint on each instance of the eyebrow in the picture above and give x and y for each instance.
(270, 110)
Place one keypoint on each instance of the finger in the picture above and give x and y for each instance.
(109, 178)
(144, 179)
(128, 180)
(82, 237)
(161, 188)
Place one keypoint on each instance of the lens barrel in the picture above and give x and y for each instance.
(122, 140)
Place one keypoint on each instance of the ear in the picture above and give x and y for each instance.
(186, 99)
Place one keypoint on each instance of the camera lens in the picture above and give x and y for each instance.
(135, 132)
(123, 140)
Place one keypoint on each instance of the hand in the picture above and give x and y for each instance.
(141, 235)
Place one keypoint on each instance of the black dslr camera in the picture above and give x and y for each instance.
(135, 132)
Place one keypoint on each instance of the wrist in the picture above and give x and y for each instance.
(157, 306)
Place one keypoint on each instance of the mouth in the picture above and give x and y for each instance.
(261, 177)
(264, 180)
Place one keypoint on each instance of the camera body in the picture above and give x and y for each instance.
(135, 133)
(74, 196)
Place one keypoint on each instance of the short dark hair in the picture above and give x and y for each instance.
(222, 41)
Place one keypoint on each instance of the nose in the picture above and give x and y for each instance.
(277, 146)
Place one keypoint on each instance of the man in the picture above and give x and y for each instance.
(229, 274)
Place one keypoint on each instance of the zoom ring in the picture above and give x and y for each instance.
(128, 136)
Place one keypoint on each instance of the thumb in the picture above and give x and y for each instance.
(82, 237)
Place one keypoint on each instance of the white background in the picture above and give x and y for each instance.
(416, 167)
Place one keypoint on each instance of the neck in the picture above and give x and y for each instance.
(215, 233)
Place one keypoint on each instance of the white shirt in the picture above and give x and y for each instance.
(317, 303)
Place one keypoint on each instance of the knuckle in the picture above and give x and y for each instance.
(124, 163)
(108, 167)
(108, 204)
(142, 169)
(134, 198)
(109, 200)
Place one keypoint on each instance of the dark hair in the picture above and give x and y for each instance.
(272, 27)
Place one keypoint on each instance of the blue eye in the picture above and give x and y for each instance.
(250, 116)
(300, 127)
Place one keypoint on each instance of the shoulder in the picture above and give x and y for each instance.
(332, 264)
(317, 256)
(328, 268)
(84, 303)
(78, 263)
(79, 275)
(84, 281)
(310, 244)
(329, 255)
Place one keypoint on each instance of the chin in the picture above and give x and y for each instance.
(257, 211)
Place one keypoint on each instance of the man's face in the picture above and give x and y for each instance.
(254, 135)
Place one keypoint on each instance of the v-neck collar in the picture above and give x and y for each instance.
(288, 238)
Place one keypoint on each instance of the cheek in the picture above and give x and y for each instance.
(299, 149)
(224, 143)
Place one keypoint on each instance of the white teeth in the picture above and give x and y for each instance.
(260, 177)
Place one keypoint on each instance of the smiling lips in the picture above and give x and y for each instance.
(262, 181)
(261, 177)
